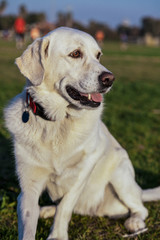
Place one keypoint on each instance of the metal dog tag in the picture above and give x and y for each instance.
(25, 116)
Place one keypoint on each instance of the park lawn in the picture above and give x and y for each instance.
(132, 113)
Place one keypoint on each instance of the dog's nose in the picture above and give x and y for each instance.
(106, 79)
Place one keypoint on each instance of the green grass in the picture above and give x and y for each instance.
(132, 113)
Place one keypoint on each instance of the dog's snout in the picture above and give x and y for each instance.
(106, 79)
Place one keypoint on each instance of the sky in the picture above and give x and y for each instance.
(111, 12)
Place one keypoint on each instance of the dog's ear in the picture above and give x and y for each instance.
(31, 63)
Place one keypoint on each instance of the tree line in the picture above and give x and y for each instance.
(148, 24)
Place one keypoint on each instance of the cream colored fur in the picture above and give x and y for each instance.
(74, 156)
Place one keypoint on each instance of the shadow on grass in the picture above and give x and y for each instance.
(8, 180)
(147, 179)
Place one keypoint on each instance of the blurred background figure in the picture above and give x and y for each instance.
(20, 28)
(3, 5)
(100, 37)
(34, 33)
(124, 41)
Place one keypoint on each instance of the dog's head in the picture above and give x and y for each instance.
(67, 61)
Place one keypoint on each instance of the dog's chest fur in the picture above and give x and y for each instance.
(52, 144)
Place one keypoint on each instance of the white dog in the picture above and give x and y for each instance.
(60, 142)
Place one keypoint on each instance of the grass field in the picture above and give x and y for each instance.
(132, 113)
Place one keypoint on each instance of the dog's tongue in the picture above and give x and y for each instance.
(96, 97)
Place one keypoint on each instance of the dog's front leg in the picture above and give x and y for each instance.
(64, 210)
(32, 184)
(131, 195)
(28, 213)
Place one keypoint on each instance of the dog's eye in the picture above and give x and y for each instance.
(98, 55)
(76, 54)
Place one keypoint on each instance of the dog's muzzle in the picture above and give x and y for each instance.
(92, 99)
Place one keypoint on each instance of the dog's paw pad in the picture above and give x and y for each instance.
(134, 224)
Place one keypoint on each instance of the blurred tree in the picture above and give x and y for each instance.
(132, 33)
(124, 30)
(60, 19)
(35, 17)
(65, 19)
(79, 26)
(151, 25)
(23, 11)
(6, 22)
(69, 19)
(93, 27)
(3, 5)
(32, 17)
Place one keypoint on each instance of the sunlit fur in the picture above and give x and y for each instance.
(73, 156)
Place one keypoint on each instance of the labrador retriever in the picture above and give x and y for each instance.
(60, 142)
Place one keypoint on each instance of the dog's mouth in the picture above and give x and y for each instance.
(87, 99)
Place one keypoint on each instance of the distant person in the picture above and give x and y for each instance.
(34, 33)
(20, 28)
(100, 37)
(124, 41)
(5, 34)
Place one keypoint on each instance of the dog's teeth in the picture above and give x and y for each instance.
(89, 96)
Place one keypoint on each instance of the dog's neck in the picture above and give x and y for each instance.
(37, 109)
